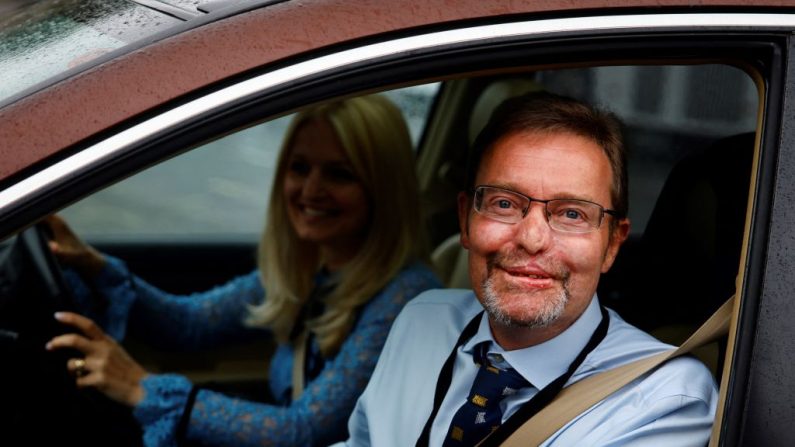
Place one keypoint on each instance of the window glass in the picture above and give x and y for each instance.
(415, 102)
(668, 111)
(215, 192)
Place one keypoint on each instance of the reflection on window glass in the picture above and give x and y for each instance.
(415, 102)
(215, 192)
(46, 38)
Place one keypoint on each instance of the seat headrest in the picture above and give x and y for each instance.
(494, 95)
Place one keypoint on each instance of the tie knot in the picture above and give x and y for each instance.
(493, 384)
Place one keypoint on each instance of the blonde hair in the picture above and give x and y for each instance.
(376, 141)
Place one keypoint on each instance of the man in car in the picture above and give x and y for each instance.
(544, 214)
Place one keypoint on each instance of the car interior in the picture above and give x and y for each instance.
(690, 150)
(690, 129)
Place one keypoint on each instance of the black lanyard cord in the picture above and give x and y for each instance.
(529, 408)
(445, 377)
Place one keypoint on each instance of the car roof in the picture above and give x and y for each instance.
(183, 61)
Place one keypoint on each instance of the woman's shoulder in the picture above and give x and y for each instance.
(412, 280)
(419, 268)
(417, 275)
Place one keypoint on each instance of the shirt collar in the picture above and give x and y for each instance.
(545, 362)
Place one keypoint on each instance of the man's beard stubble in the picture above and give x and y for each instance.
(549, 311)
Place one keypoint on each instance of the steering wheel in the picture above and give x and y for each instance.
(40, 399)
(33, 244)
(32, 288)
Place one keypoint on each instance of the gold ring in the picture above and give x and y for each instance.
(80, 367)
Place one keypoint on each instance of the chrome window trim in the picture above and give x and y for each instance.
(84, 160)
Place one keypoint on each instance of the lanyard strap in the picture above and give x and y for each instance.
(530, 408)
(445, 377)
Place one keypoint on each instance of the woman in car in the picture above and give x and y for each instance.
(341, 253)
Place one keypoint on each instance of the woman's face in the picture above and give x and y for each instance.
(326, 202)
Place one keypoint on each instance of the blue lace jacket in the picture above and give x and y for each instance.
(318, 417)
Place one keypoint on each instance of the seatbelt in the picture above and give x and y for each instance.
(582, 395)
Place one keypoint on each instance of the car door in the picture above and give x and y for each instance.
(469, 57)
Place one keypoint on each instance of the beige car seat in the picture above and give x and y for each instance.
(452, 263)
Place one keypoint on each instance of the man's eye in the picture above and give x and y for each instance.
(573, 215)
(503, 204)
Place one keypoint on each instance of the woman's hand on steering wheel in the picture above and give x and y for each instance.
(105, 365)
(71, 250)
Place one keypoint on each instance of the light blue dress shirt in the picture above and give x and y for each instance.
(673, 406)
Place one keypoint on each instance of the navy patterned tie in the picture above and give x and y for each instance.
(481, 413)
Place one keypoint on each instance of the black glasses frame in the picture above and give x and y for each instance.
(477, 194)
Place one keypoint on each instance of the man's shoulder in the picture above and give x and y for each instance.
(624, 343)
(673, 402)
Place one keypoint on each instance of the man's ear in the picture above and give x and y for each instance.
(464, 203)
(618, 235)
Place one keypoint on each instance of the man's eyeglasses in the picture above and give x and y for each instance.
(567, 215)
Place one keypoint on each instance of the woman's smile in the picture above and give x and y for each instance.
(326, 202)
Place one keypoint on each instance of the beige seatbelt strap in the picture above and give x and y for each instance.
(299, 362)
(580, 396)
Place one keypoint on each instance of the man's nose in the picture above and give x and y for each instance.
(533, 233)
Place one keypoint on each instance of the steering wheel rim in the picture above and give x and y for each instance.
(32, 286)
(33, 243)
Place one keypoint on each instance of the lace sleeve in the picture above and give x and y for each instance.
(159, 413)
(184, 322)
(199, 320)
(319, 417)
(107, 299)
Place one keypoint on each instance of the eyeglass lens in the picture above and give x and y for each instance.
(570, 215)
